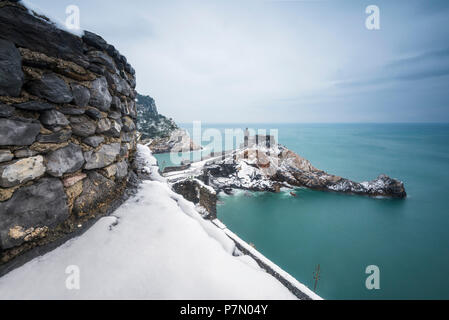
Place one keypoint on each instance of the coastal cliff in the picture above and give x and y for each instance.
(263, 165)
(162, 134)
(67, 129)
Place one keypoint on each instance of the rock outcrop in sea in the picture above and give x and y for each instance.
(263, 165)
(67, 129)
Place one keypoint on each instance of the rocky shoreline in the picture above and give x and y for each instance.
(264, 165)
(178, 141)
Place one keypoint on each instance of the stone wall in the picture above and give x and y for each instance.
(197, 192)
(67, 129)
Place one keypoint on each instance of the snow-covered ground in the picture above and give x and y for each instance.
(155, 246)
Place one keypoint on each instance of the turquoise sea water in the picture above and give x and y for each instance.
(407, 239)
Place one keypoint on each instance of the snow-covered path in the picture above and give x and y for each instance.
(156, 246)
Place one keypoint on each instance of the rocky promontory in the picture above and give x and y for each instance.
(264, 165)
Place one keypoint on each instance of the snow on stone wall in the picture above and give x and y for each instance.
(67, 128)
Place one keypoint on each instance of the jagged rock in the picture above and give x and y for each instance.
(104, 125)
(5, 156)
(83, 126)
(118, 84)
(115, 129)
(98, 69)
(121, 169)
(94, 141)
(21, 171)
(24, 153)
(99, 57)
(18, 133)
(72, 180)
(71, 111)
(65, 160)
(50, 87)
(42, 204)
(67, 68)
(257, 167)
(105, 156)
(115, 115)
(128, 124)
(94, 113)
(54, 118)
(81, 95)
(94, 40)
(6, 111)
(57, 137)
(34, 33)
(116, 104)
(99, 95)
(35, 106)
(110, 171)
(97, 191)
(11, 74)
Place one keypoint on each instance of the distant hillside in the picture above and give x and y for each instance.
(150, 123)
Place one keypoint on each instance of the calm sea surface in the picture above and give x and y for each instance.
(407, 239)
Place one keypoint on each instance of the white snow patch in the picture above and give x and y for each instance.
(33, 8)
(156, 246)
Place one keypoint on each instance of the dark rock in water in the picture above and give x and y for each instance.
(105, 156)
(99, 95)
(57, 137)
(11, 74)
(18, 133)
(35, 106)
(6, 111)
(31, 32)
(50, 87)
(94, 141)
(97, 190)
(81, 95)
(43, 204)
(65, 160)
(53, 118)
(82, 126)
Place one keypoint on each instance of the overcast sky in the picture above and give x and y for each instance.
(280, 61)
